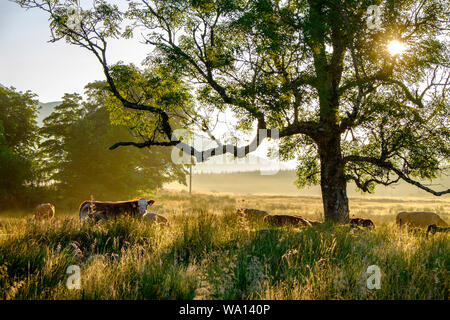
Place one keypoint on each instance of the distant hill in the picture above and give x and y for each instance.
(46, 108)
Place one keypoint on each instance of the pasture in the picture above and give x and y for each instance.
(208, 252)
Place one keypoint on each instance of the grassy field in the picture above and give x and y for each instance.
(208, 252)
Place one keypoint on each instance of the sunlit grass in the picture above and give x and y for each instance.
(208, 252)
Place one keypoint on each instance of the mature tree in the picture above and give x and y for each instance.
(54, 132)
(15, 171)
(18, 136)
(344, 105)
(77, 135)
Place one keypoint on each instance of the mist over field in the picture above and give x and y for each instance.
(283, 183)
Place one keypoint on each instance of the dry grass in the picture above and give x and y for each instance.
(208, 252)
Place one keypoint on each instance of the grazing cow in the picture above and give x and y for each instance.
(44, 210)
(153, 217)
(434, 228)
(366, 223)
(419, 219)
(282, 220)
(99, 210)
(252, 213)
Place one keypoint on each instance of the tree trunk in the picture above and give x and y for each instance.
(332, 181)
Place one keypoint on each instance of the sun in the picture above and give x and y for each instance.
(396, 47)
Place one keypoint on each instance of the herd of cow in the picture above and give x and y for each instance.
(99, 210)
(419, 219)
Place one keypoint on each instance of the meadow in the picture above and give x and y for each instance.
(209, 252)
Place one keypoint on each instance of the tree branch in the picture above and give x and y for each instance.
(387, 165)
(309, 128)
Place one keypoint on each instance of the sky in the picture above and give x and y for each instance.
(29, 62)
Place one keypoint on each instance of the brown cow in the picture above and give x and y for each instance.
(44, 210)
(98, 210)
(419, 219)
(282, 220)
(366, 223)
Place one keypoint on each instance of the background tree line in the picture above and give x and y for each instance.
(67, 159)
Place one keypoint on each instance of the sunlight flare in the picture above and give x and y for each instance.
(396, 47)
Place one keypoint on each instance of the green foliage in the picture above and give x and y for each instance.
(18, 137)
(18, 113)
(15, 170)
(155, 86)
(55, 131)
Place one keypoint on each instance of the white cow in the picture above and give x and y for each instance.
(153, 217)
(419, 219)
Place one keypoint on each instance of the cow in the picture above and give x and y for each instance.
(99, 210)
(419, 219)
(366, 223)
(434, 228)
(252, 213)
(44, 210)
(282, 220)
(153, 217)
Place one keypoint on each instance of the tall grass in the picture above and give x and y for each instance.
(208, 252)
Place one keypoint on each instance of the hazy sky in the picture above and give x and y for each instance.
(29, 62)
